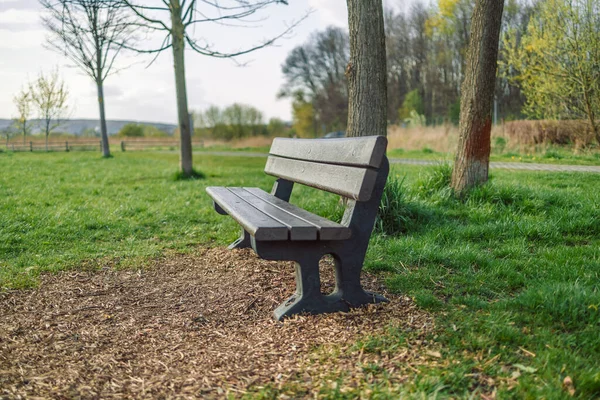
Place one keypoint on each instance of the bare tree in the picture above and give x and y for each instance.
(366, 71)
(49, 96)
(91, 33)
(316, 69)
(24, 104)
(176, 19)
(477, 94)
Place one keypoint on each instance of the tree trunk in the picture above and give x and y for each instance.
(473, 154)
(103, 130)
(177, 36)
(47, 132)
(366, 71)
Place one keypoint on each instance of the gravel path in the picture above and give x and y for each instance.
(493, 165)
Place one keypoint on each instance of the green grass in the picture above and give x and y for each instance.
(510, 271)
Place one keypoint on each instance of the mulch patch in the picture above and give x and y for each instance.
(189, 326)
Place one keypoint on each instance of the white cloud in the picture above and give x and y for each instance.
(21, 40)
(19, 17)
(331, 12)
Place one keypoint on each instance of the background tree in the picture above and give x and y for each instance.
(8, 132)
(234, 122)
(426, 47)
(22, 122)
(412, 103)
(276, 127)
(366, 71)
(176, 19)
(131, 130)
(49, 98)
(91, 33)
(304, 117)
(473, 154)
(314, 73)
(558, 61)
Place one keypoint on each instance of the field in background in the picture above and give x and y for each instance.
(567, 142)
(511, 273)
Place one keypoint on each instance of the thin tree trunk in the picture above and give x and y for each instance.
(366, 71)
(177, 36)
(103, 130)
(24, 132)
(47, 132)
(473, 154)
(100, 86)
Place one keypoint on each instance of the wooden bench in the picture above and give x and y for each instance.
(355, 168)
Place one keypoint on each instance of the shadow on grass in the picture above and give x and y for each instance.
(194, 176)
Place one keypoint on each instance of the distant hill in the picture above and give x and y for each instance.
(85, 126)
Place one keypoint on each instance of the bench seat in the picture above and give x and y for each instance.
(268, 218)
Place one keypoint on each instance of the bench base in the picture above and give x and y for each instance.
(297, 304)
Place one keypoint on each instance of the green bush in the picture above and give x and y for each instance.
(132, 130)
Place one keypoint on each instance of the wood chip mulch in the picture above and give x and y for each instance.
(190, 326)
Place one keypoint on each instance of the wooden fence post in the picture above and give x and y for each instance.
(67, 146)
(31, 146)
(122, 145)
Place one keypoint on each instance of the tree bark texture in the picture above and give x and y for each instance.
(177, 36)
(366, 71)
(477, 94)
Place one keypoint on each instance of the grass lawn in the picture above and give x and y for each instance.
(512, 273)
(550, 155)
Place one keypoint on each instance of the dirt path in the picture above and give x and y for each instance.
(410, 161)
(185, 327)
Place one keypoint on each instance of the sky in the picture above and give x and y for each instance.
(146, 92)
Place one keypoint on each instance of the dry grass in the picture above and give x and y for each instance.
(571, 132)
(442, 139)
(187, 327)
(516, 136)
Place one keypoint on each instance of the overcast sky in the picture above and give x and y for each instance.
(148, 93)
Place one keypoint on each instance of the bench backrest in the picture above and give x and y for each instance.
(346, 166)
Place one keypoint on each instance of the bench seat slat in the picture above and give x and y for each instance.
(258, 224)
(299, 229)
(328, 230)
(352, 182)
(367, 151)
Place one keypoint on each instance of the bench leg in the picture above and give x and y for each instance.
(308, 297)
(348, 287)
(242, 242)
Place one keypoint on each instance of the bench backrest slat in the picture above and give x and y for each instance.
(367, 151)
(347, 167)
